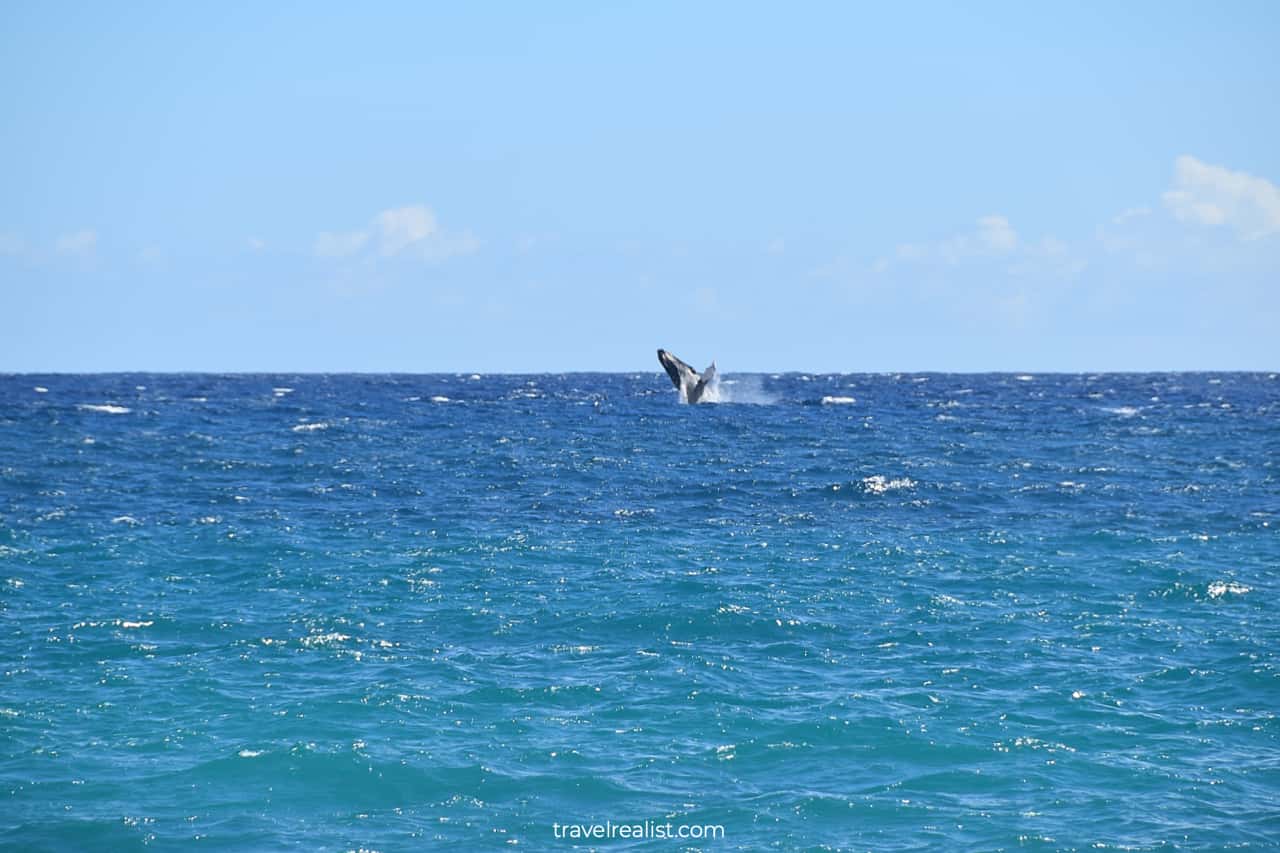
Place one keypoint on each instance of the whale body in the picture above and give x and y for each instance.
(692, 387)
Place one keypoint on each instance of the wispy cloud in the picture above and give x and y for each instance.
(1205, 194)
(996, 234)
(81, 242)
(1130, 215)
(409, 231)
(402, 227)
(992, 236)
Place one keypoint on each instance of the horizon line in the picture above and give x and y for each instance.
(786, 372)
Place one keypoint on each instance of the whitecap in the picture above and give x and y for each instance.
(837, 401)
(310, 427)
(1025, 377)
(1217, 589)
(126, 519)
(40, 389)
(124, 623)
(324, 639)
(1123, 411)
(106, 408)
(249, 753)
(878, 484)
(574, 650)
(280, 392)
(439, 398)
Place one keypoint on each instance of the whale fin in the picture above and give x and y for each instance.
(707, 379)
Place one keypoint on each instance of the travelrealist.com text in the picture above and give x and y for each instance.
(643, 830)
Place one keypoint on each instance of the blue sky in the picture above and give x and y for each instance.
(538, 187)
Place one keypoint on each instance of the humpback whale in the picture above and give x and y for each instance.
(691, 386)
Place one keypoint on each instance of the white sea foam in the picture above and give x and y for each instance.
(1122, 411)
(124, 623)
(126, 519)
(324, 639)
(1217, 589)
(1025, 377)
(249, 753)
(40, 389)
(838, 401)
(106, 408)
(733, 608)
(280, 392)
(878, 484)
(310, 427)
(439, 398)
(629, 513)
(574, 650)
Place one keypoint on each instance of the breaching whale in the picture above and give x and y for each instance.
(691, 386)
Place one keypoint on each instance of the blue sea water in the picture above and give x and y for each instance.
(890, 612)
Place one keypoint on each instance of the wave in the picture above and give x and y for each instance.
(878, 484)
(105, 408)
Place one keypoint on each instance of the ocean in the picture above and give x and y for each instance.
(830, 612)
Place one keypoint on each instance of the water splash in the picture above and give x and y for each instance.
(745, 389)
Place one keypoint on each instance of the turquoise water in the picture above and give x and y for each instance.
(845, 612)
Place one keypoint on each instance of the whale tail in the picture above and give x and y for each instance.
(691, 386)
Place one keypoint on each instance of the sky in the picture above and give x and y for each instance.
(530, 187)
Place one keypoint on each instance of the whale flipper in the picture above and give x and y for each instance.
(707, 379)
(691, 386)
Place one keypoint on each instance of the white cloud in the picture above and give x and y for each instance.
(996, 234)
(992, 237)
(1048, 259)
(81, 242)
(410, 230)
(402, 227)
(1205, 194)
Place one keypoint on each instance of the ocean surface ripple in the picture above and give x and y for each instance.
(891, 612)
